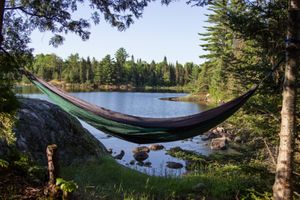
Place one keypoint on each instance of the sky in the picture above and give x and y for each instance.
(170, 31)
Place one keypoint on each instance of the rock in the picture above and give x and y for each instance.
(238, 139)
(141, 149)
(209, 135)
(218, 144)
(147, 164)
(4, 148)
(132, 162)
(140, 156)
(175, 149)
(110, 150)
(120, 155)
(141, 164)
(220, 129)
(174, 165)
(205, 137)
(41, 123)
(156, 147)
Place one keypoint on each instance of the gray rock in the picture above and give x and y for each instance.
(147, 164)
(238, 139)
(218, 144)
(110, 150)
(205, 137)
(174, 165)
(120, 155)
(41, 123)
(209, 135)
(141, 149)
(132, 162)
(140, 156)
(4, 149)
(140, 163)
(156, 147)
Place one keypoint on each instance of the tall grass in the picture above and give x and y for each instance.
(105, 179)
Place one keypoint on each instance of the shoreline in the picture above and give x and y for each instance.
(196, 98)
(89, 87)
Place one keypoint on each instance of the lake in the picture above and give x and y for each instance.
(146, 104)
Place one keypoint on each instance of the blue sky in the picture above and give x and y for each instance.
(170, 31)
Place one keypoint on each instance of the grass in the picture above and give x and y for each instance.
(106, 179)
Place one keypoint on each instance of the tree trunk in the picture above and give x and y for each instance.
(282, 188)
(2, 4)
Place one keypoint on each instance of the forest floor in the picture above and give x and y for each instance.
(14, 185)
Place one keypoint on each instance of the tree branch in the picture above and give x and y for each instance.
(33, 14)
(13, 8)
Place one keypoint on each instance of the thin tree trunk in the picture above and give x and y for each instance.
(282, 188)
(2, 4)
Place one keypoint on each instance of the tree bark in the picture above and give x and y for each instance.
(282, 188)
(52, 163)
(2, 4)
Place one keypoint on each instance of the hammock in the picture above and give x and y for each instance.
(140, 130)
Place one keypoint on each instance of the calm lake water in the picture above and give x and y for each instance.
(140, 104)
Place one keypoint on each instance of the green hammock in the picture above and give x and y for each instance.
(141, 130)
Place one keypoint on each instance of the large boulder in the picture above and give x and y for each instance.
(41, 123)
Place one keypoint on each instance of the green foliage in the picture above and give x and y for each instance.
(254, 195)
(66, 186)
(7, 122)
(22, 163)
(243, 42)
(4, 163)
(114, 71)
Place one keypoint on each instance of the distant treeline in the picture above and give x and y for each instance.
(114, 71)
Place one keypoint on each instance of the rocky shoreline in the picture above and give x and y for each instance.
(198, 98)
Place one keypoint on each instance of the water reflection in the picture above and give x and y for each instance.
(141, 104)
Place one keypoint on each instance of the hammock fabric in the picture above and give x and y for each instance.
(141, 130)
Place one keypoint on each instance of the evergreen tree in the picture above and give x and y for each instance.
(121, 56)
(83, 71)
(107, 71)
(89, 71)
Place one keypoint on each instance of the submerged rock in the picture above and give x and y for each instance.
(132, 162)
(140, 156)
(120, 155)
(41, 123)
(174, 165)
(147, 164)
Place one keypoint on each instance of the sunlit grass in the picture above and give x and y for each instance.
(105, 179)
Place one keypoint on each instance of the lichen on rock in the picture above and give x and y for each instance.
(40, 123)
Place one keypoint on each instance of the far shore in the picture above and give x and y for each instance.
(200, 98)
(88, 87)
